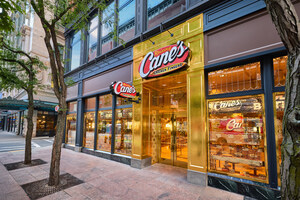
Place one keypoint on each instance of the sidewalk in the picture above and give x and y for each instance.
(105, 179)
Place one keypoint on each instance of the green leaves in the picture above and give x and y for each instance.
(8, 7)
(18, 70)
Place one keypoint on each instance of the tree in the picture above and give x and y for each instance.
(7, 7)
(287, 24)
(52, 16)
(18, 70)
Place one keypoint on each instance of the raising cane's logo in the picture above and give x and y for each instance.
(164, 60)
(123, 89)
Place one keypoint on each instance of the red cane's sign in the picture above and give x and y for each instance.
(123, 89)
(164, 60)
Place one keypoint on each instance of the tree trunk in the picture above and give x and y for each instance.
(56, 149)
(286, 21)
(290, 166)
(28, 138)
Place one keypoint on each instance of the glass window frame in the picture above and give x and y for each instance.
(71, 48)
(264, 134)
(96, 110)
(94, 15)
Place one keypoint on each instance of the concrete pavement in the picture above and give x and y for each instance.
(104, 179)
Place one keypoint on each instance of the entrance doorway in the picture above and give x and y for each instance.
(168, 119)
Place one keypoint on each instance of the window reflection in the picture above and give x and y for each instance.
(126, 20)
(236, 137)
(280, 71)
(104, 130)
(90, 103)
(161, 10)
(92, 38)
(75, 50)
(89, 130)
(105, 101)
(107, 28)
(123, 131)
(235, 79)
(71, 129)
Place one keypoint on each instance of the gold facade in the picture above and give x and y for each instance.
(187, 121)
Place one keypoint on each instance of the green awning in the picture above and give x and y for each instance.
(15, 104)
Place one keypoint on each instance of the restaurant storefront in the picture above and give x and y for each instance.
(168, 125)
(211, 100)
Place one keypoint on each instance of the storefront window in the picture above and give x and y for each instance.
(72, 106)
(46, 123)
(89, 130)
(237, 137)
(235, 79)
(90, 103)
(71, 129)
(75, 50)
(161, 10)
(279, 111)
(105, 101)
(280, 71)
(104, 130)
(107, 28)
(123, 131)
(126, 20)
(123, 101)
(92, 38)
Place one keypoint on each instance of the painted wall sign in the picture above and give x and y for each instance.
(164, 60)
(123, 89)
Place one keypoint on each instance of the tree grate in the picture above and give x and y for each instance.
(38, 189)
(19, 165)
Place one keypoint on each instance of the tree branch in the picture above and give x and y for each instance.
(18, 62)
(57, 18)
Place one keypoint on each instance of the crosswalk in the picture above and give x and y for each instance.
(17, 145)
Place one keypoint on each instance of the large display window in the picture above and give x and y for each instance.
(237, 144)
(71, 123)
(89, 130)
(278, 119)
(104, 130)
(123, 131)
(71, 129)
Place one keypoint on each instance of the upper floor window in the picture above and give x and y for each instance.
(75, 50)
(92, 38)
(126, 20)
(161, 10)
(108, 17)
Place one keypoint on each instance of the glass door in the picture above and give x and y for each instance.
(168, 108)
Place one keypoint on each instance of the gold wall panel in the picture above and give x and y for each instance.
(191, 33)
(136, 127)
(197, 140)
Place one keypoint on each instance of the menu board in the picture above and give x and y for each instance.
(236, 136)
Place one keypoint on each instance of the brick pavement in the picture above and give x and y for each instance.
(105, 179)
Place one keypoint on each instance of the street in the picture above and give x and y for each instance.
(10, 142)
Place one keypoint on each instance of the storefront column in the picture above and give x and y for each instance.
(197, 137)
(19, 122)
(114, 100)
(79, 125)
(139, 159)
(271, 145)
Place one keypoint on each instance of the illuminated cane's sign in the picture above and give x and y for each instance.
(123, 89)
(164, 60)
